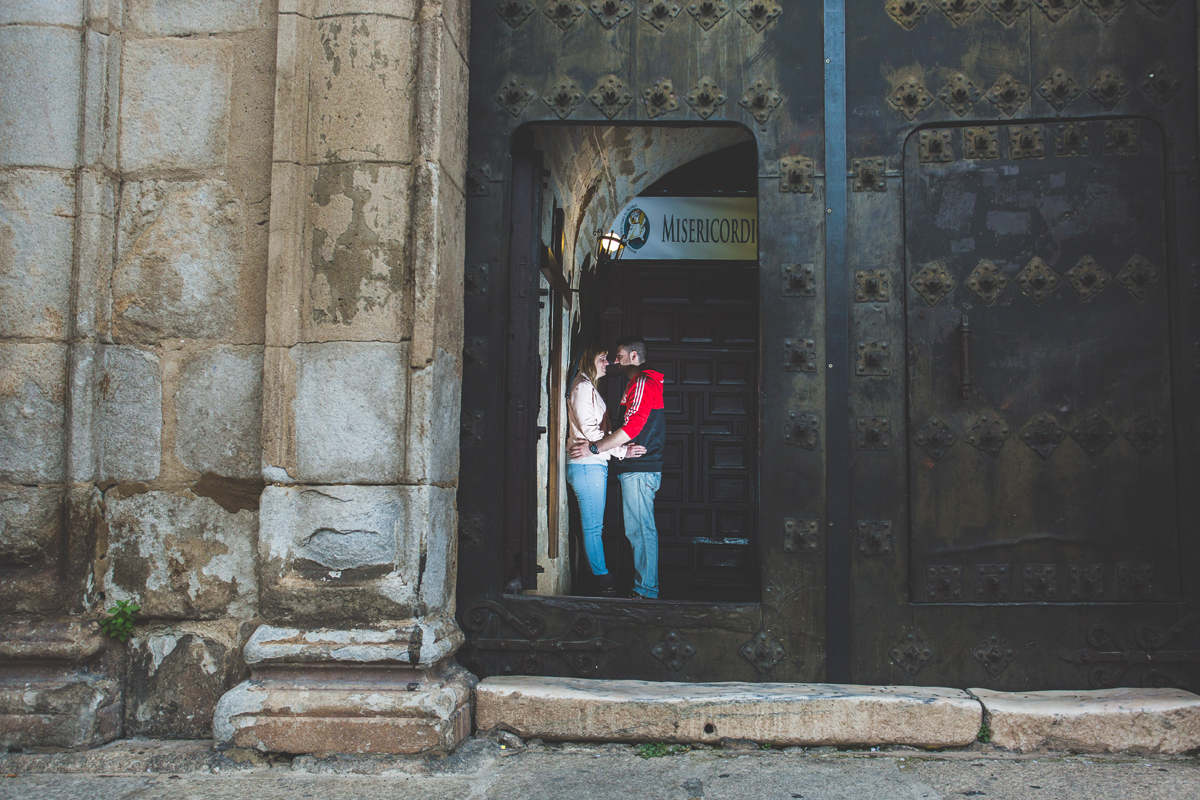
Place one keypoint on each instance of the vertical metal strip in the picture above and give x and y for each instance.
(837, 349)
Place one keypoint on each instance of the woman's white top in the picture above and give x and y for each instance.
(587, 420)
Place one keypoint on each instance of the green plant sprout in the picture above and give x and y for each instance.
(120, 624)
(985, 733)
(658, 749)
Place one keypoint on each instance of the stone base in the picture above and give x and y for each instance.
(783, 714)
(60, 686)
(347, 710)
(1144, 721)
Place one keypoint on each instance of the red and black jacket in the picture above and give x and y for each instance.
(645, 423)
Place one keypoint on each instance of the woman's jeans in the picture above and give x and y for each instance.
(590, 482)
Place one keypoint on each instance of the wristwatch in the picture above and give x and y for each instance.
(595, 450)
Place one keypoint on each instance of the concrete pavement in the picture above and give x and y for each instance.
(486, 769)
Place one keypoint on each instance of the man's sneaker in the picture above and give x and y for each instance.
(606, 586)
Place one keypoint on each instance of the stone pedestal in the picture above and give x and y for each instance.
(60, 685)
(349, 691)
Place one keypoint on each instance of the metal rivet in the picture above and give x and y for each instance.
(831, 366)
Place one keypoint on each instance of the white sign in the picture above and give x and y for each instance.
(690, 228)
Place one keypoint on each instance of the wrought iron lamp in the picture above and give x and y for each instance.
(611, 245)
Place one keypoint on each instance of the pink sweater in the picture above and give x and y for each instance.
(587, 421)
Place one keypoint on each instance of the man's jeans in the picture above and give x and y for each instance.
(637, 498)
(590, 482)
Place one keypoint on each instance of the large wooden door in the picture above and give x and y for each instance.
(700, 324)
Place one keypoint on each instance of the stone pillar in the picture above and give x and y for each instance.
(361, 387)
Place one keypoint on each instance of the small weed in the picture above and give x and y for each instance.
(659, 749)
(985, 733)
(120, 624)
(766, 747)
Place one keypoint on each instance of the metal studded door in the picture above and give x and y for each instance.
(1022, 407)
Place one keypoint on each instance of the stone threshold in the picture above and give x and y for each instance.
(1135, 721)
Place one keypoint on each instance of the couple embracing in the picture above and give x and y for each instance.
(638, 447)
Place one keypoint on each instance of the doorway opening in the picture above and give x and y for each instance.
(688, 287)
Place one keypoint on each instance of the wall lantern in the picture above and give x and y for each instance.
(611, 246)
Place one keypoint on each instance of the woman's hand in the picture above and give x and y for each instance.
(634, 450)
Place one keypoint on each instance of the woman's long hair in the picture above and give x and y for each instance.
(587, 361)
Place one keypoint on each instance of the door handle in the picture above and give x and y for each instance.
(964, 358)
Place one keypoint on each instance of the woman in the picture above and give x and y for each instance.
(588, 475)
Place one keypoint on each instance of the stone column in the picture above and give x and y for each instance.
(361, 386)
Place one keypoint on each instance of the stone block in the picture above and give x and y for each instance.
(330, 553)
(362, 61)
(45, 12)
(422, 642)
(178, 556)
(175, 103)
(358, 276)
(333, 8)
(434, 424)
(130, 419)
(780, 714)
(40, 77)
(178, 260)
(37, 230)
(218, 412)
(32, 416)
(31, 523)
(187, 17)
(1142, 721)
(349, 411)
(176, 676)
(399, 711)
(95, 232)
(101, 100)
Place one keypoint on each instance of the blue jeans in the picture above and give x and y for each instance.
(637, 499)
(590, 482)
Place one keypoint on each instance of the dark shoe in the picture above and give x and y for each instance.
(633, 595)
(606, 586)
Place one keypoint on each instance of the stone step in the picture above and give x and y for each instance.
(568, 709)
(1143, 721)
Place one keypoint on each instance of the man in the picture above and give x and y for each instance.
(644, 424)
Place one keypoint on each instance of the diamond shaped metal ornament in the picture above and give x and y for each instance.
(1037, 280)
(1105, 9)
(1026, 141)
(563, 13)
(1139, 276)
(801, 429)
(705, 97)
(609, 12)
(1043, 434)
(871, 286)
(994, 654)
(796, 174)
(514, 12)
(1093, 433)
(910, 98)
(1007, 11)
(934, 147)
(908, 12)
(610, 96)
(1059, 89)
(911, 653)
(1121, 137)
(1071, 139)
(673, 650)
(1158, 7)
(563, 98)
(708, 12)
(933, 283)
(759, 13)
(1008, 94)
(987, 281)
(760, 100)
(983, 142)
(513, 96)
(957, 11)
(763, 651)
(959, 94)
(1109, 88)
(1160, 85)
(1144, 432)
(1056, 9)
(935, 437)
(660, 14)
(660, 98)
(869, 175)
(988, 434)
(1087, 278)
